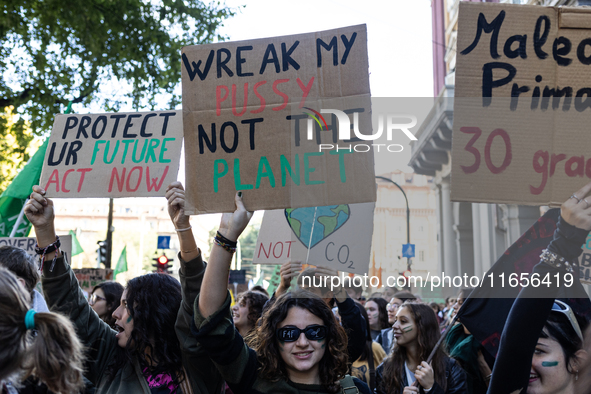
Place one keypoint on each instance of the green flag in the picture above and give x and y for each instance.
(76, 247)
(14, 197)
(122, 263)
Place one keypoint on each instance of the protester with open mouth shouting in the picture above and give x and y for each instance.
(298, 346)
(147, 353)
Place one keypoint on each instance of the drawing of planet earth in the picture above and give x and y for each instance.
(313, 224)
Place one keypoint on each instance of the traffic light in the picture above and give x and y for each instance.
(161, 264)
(101, 253)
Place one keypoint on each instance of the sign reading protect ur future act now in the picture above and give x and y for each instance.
(245, 111)
(113, 155)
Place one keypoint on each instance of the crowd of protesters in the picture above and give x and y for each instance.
(159, 335)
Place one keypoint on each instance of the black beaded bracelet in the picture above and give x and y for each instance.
(52, 247)
(229, 248)
(225, 240)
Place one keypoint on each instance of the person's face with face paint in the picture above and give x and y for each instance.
(302, 357)
(404, 330)
(373, 314)
(549, 374)
(124, 321)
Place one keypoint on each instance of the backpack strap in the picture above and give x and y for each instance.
(186, 383)
(372, 369)
(348, 385)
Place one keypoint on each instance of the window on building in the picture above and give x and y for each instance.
(421, 255)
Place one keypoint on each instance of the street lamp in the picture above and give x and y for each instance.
(407, 215)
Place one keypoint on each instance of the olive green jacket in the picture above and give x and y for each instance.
(63, 295)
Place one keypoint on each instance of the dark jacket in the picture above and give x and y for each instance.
(464, 349)
(455, 375)
(63, 295)
(239, 364)
(354, 324)
(385, 339)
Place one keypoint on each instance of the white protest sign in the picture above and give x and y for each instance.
(334, 236)
(28, 243)
(133, 154)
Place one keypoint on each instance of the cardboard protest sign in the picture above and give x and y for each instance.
(28, 244)
(90, 277)
(335, 236)
(522, 103)
(113, 155)
(248, 110)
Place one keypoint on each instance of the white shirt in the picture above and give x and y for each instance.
(410, 376)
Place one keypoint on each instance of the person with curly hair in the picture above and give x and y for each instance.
(416, 331)
(104, 300)
(151, 350)
(317, 280)
(298, 348)
(247, 310)
(53, 355)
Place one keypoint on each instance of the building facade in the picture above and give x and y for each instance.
(471, 236)
(137, 223)
(390, 230)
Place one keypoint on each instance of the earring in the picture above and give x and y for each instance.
(576, 375)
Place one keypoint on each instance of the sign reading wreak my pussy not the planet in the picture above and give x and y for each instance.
(246, 110)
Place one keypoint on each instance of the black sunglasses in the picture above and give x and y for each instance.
(314, 332)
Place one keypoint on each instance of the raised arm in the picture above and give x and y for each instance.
(175, 196)
(215, 281)
(192, 265)
(351, 319)
(202, 374)
(62, 292)
(288, 271)
(532, 307)
(39, 211)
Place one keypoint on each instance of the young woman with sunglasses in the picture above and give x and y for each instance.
(298, 348)
(541, 347)
(416, 331)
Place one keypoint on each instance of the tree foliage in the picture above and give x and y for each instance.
(248, 242)
(54, 52)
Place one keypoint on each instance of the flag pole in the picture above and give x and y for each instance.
(19, 220)
(443, 335)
